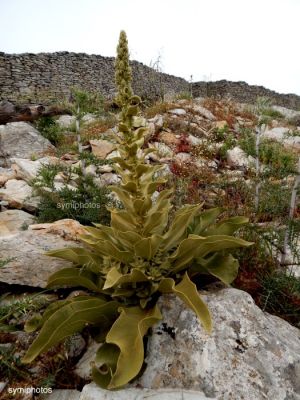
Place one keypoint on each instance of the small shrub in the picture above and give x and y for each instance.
(184, 96)
(48, 128)
(274, 201)
(280, 295)
(86, 203)
(229, 143)
(88, 102)
(158, 108)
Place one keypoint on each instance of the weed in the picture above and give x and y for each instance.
(158, 108)
(24, 226)
(91, 159)
(48, 128)
(281, 296)
(5, 261)
(46, 175)
(88, 102)
(229, 143)
(86, 203)
(184, 96)
(10, 365)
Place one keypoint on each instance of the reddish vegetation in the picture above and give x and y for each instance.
(226, 110)
(183, 146)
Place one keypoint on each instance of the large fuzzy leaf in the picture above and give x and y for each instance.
(223, 267)
(122, 221)
(75, 277)
(186, 290)
(203, 220)
(179, 226)
(124, 197)
(195, 246)
(115, 278)
(147, 247)
(69, 319)
(107, 357)
(141, 206)
(128, 239)
(156, 223)
(227, 227)
(108, 249)
(127, 334)
(78, 256)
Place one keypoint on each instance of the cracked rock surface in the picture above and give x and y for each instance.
(250, 354)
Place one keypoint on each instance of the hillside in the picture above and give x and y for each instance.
(51, 185)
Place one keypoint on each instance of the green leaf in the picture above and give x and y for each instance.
(109, 249)
(227, 227)
(123, 221)
(107, 356)
(147, 247)
(156, 223)
(115, 278)
(32, 324)
(203, 220)
(75, 277)
(127, 334)
(186, 290)
(177, 230)
(223, 267)
(123, 196)
(78, 256)
(69, 319)
(196, 246)
(128, 239)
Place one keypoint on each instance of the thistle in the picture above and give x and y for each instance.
(141, 255)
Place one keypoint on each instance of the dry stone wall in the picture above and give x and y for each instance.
(41, 77)
(244, 93)
(45, 76)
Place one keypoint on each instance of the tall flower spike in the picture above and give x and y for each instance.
(123, 72)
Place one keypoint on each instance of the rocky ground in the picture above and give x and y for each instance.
(207, 148)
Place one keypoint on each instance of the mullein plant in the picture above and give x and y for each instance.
(126, 266)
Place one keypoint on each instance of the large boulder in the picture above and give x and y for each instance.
(12, 221)
(21, 140)
(18, 194)
(28, 169)
(250, 354)
(24, 251)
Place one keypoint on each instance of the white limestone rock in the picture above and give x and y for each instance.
(250, 354)
(66, 121)
(237, 158)
(93, 392)
(28, 169)
(19, 195)
(177, 111)
(13, 221)
(29, 265)
(21, 140)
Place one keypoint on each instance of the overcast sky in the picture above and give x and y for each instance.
(256, 41)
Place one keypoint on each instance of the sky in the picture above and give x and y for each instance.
(256, 41)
